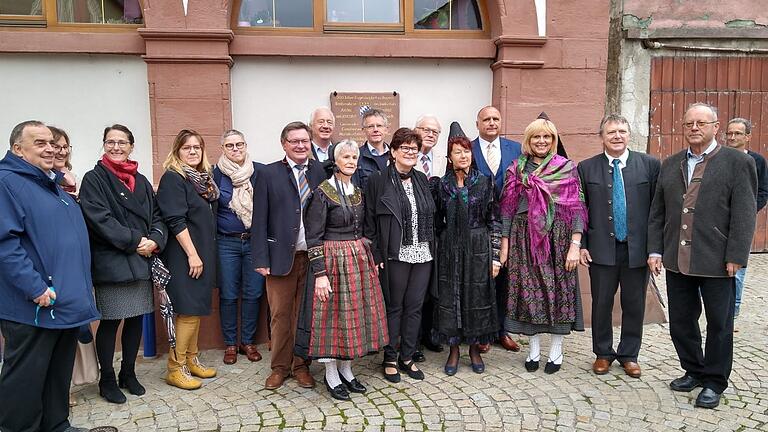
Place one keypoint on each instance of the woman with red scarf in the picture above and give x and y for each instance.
(543, 212)
(125, 228)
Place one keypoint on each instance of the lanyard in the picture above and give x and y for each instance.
(37, 309)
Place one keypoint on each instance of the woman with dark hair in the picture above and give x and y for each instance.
(469, 239)
(343, 309)
(399, 221)
(543, 214)
(188, 198)
(62, 161)
(125, 229)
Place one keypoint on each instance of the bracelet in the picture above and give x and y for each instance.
(576, 242)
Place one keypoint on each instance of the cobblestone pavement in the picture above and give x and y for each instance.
(505, 397)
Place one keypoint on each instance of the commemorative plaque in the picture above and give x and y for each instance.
(348, 109)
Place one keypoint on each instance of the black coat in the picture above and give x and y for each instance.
(183, 208)
(117, 219)
(367, 165)
(277, 215)
(640, 177)
(383, 225)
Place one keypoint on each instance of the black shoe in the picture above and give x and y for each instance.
(127, 380)
(551, 367)
(108, 388)
(708, 398)
(339, 392)
(354, 386)
(393, 378)
(407, 368)
(685, 383)
(531, 365)
(418, 357)
(435, 347)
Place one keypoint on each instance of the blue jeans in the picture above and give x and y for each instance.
(238, 279)
(740, 276)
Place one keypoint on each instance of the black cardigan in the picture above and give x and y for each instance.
(117, 219)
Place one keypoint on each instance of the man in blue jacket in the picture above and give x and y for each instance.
(45, 285)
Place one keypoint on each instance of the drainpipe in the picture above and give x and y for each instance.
(649, 44)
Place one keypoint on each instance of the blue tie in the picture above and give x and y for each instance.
(619, 204)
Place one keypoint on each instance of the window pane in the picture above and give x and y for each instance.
(446, 15)
(21, 7)
(100, 11)
(275, 13)
(364, 11)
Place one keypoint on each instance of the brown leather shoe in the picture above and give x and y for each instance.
(632, 369)
(601, 366)
(483, 348)
(274, 381)
(251, 352)
(509, 344)
(230, 355)
(304, 378)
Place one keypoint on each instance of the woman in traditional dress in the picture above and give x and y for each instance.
(125, 228)
(543, 215)
(187, 197)
(399, 221)
(467, 257)
(344, 315)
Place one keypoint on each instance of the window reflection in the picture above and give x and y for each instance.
(446, 15)
(363, 11)
(99, 11)
(21, 7)
(275, 13)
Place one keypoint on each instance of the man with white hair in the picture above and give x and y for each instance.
(322, 122)
(429, 162)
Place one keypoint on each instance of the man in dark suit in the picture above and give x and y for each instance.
(279, 247)
(322, 121)
(374, 152)
(618, 188)
(491, 155)
(738, 135)
(701, 225)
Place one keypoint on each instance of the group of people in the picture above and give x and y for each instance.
(361, 248)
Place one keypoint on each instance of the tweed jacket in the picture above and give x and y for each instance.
(701, 226)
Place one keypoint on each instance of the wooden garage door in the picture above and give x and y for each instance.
(737, 86)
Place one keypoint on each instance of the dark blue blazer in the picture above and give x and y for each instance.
(510, 151)
(277, 214)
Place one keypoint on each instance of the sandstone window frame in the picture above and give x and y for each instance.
(48, 19)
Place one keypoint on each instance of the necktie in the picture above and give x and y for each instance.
(303, 185)
(425, 165)
(619, 204)
(492, 158)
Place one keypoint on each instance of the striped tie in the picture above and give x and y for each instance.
(425, 165)
(492, 158)
(303, 185)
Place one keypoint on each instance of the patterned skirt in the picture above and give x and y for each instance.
(542, 298)
(124, 300)
(353, 322)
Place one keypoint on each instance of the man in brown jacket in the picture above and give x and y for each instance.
(702, 221)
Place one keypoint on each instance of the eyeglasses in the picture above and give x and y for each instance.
(428, 131)
(735, 134)
(187, 149)
(698, 124)
(408, 149)
(297, 142)
(239, 145)
(112, 143)
(374, 126)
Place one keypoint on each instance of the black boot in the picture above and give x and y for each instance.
(127, 380)
(108, 387)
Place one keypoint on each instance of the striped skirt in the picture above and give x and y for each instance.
(353, 322)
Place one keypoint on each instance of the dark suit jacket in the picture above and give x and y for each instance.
(640, 177)
(367, 165)
(724, 213)
(329, 163)
(277, 215)
(762, 179)
(510, 151)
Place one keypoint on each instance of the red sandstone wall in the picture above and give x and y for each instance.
(708, 14)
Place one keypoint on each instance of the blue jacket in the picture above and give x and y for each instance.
(510, 151)
(368, 164)
(42, 237)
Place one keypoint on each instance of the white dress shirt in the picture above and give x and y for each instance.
(495, 147)
(301, 239)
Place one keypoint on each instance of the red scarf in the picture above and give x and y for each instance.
(124, 171)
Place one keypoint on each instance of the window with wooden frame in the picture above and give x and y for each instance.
(75, 13)
(425, 17)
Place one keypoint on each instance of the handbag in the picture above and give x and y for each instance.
(86, 368)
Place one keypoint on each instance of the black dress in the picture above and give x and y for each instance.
(469, 240)
(182, 207)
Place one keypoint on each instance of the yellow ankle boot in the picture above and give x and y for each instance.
(182, 379)
(178, 373)
(198, 369)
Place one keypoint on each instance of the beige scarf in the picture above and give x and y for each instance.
(242, 190)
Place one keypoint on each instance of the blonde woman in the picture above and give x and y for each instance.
(187, 197)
